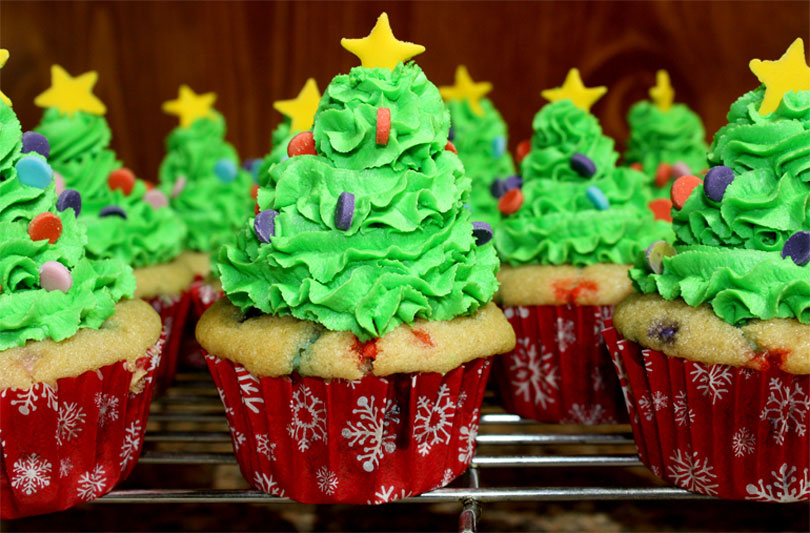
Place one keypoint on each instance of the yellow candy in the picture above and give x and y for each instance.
(573, 89)
(381, 49)
(789, 73)
(301, 109)
(69, 94)
(656, 253)
(466, 89)
(190, 106)
(662, 94)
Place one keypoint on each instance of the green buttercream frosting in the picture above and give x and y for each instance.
(29, 312)
(80, 153)
(729, 252)
(557, 223)
(409, 252)
(212, 209)
(479, 139)
(281, 137)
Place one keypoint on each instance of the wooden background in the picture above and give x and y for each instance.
(252, 53)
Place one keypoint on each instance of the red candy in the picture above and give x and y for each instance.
(451, 147)
(637, 166)
(522, 150)
(254, 192)
(510, 202)
(682, 188)
(302, 144)
(123, 179)
(149, 185)
(256, 209)
(661, 208)
(45, 226)
(383, 125)
(662, 174)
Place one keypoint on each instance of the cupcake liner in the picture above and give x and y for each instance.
(203, 294)
(560, 370)
(173, 311)
(734, 433)
(71, 442)
(368, 441)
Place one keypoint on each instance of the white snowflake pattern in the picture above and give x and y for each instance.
(683, 413)
(265, 447)
(308, 418)
(388, 494)
(65, 466)
(208, 294)
(565, 333)
(467, 435)
(597, 379)
(228, 410)
(743, 442)
(522, 312)
(621, 373)
(647, 356)
(31, 473)
(462, 397)
(660, 400)
(267, 484)
(27, 399)
(327, 480)
(583, 414)
(433, 420)
(374, 430)
(238, 438)
(131, 444)
(155, 352)
(786, 486)
(91, 484)
(693, 473)
(533, 377)
(645, 406)
(249, 384)
(69, 420)
(785, 410)
(2, 444)
(712, 380)
(107, 408)
(447, 477)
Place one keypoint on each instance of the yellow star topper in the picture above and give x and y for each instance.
(69, 94)
(381, 49)
(466, 89)
(573, 89)
(789, 73)
(190, 106)
(301, 109)
(3, 59)
(662, 94)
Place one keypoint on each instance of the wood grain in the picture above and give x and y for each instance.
(253, 53)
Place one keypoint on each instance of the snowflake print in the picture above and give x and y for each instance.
(65, 466)
(648, 361)
(447, 477)
(786, 409)
(683, 413)
(660, 401)
(565, 333)
(713, 381)
(31, 474)
(265, 447)
(69, 422)
(27, 399)
(91, 484)
(353, 383)
(597, 380)
(238, 438)
(645, 406)
(462, 397)
(155, 352)
(582, 414)
(327, 480)
(267, 484)
(786, 487)
(308, 418)
(522, 312)
(533, 377)
(248, 383)
(374, 430)
(467, 435)
(107, 408)
(693, 473)
(208, 294)
(2, 444)
(433, 420)
(228, 410)
(388, 494)
(743, 442)
(131, 444)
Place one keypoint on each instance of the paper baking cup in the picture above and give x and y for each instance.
(203, 295)
(734, 433)
(173, 311)
(560, 370)
(71, 442)
(369, 441)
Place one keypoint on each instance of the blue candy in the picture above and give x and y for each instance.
(498, 146)
(225, 169)
(264, 225)
(34, 171)
(716, 181)
(344, 212)
(583, 165)
(797, 247)
(597, 198)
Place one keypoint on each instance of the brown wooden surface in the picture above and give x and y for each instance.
(253, 53)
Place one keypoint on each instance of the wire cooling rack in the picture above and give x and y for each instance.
(187, 426)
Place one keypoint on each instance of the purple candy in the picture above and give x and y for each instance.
(112, 211)
(663, 332)
(451, 134)
(583, 165)
(264, 225)
(680, 169)
(716, 181)
(513, 182)
(70, 199)
(797, 247)
(498, 187)
(344, 212)
(36, 142)
(482, 233)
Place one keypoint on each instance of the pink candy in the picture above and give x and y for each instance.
(156, 198)
(54, 276)
(179, 185)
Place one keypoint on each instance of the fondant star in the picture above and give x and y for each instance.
(789, 73)
(662, 94)
(466, 89)
(190, 106)
(3, 59)
(301, 109)
(381, 49)
(69, 94)
(573, 89)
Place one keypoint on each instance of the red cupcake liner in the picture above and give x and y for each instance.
(69, 443)
(734, 433)
(203, 295)
(368, 441)
(560, 370)
(173, 311)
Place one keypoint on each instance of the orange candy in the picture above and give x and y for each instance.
(123, 179)
(682, 188)
(637, 166)
(522, 150)
(45, 226)
(254, 192)
(451, 147)
(256, 209)
(302, 144)
(661, 208)
(510, 202)
(662, 174)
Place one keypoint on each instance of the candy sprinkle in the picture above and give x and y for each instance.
(69, 199)
(123, 179)
(498, 146)
(451, 147)
(661, 209)
(34, 172)
(54, 276)
(597, 198)
(302, 144)
(225, 170)
(682, 188)
(155, 198)
(655, 254)
(716, 181)
(583, 165)
(482, 233)
(36, 142)
(179, 185)
(663, 174)
(510, 202)
(680, 169)
(344, 212)
(58, 183)
(45, 226)
(797, 247)
(383, 125)
(522, 150)
(112, 211)
(264, 225)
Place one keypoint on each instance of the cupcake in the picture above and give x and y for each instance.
(125, 218)
(77, 359)
(353, 346)
(478, 133)
(568, 236)
(714, 354)
(666, 141)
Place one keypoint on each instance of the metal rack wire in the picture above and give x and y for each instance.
(189, 420)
